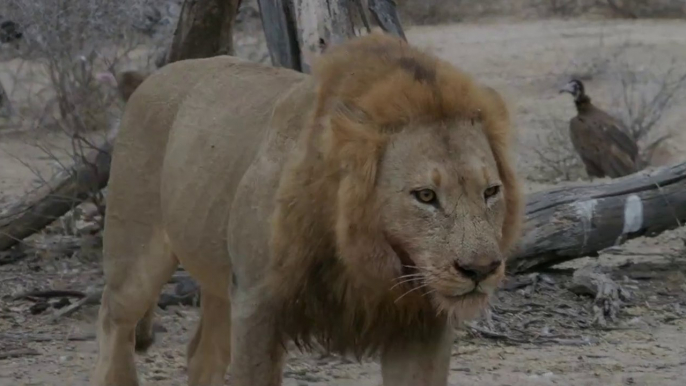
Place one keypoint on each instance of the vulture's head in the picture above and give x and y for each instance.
(574, 87)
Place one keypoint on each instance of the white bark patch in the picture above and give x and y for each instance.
(585, 211)
(633, 214)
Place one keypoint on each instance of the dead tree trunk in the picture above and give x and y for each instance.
(205, 29)
(386, 16)
(571, 222)
(281, 33)
(321, 23)
(295, 29)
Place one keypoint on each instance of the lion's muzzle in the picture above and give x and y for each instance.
(478, 271)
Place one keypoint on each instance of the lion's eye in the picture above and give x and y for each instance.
(426, 196)
(491, 191)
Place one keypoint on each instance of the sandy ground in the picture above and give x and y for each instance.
(545, 337)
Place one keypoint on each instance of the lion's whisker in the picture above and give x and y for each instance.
(415, 267)
(404, 282)
(411, 290)
(409, 276)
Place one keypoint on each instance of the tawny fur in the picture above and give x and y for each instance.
(296, 166)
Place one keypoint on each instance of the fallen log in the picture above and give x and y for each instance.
(561, 224)
(64, 191)
(566, 223)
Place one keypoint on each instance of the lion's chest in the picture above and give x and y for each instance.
(330, 312)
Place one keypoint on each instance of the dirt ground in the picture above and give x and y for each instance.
(538, 332)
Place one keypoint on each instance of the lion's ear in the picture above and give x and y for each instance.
(350, 140)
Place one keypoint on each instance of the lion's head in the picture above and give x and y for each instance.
(405, 182)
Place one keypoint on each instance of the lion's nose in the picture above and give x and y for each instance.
(476, 271)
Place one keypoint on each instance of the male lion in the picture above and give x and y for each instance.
(365, 209)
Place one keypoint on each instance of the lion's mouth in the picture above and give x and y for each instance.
(474, 292)
(414, 279)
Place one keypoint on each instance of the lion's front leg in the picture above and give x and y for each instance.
(256, 351)
(419, 363)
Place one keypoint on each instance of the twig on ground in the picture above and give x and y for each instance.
(90, 299)
(186, 294)
(49, 294)
(18, 353)
(47, 337)
(496, 335)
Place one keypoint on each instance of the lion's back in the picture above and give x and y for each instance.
(140, 145)
(188, 133)
(216, 136)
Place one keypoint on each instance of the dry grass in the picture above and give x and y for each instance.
(556, 159)
(645, 96)
(66, 42)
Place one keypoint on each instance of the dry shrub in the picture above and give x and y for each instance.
(65, 43)
(644, 97)
(556, 158)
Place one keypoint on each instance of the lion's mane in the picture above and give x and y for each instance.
(327, 248)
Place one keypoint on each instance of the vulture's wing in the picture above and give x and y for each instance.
(588, 145)
(619, 151)
(617, 133)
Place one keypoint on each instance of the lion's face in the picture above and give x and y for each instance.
(442, 208)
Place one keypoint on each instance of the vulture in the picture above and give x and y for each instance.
(601, 140)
